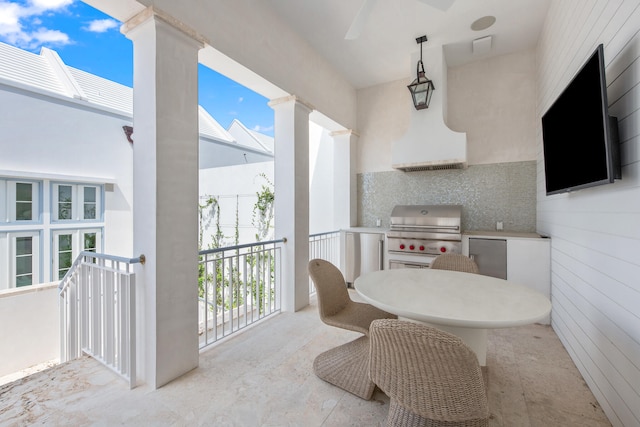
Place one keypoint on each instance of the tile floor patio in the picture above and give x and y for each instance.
(263, 377)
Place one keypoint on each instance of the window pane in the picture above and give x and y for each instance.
(90, 202)
(23, 265)
(90, 242)
(24, 201)
(64, 193)
(64, 211)
(90, 194)
(25, 280)
(89, 211)
(64, 202)
(64, 260)
(23, 192)
(23, 211)
(64, 242)
(24, 261)
(62, 272)
(24, 245)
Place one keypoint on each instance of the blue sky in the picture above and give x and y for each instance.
(89, 40)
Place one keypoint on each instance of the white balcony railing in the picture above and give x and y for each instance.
(324, 246)
(238, 286)
(97, 312)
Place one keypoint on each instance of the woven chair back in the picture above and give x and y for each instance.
(455, 262)
(331, 289)
(429, 372)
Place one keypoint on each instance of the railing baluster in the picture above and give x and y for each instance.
(98, 312)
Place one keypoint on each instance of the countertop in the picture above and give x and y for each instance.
(503, 234)
(472, 233)
(380, 230)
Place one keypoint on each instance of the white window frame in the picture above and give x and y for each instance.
(8, 195)
(77, 202)
(35, 256)
(4, 217)
(77, 246)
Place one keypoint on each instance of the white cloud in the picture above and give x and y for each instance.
(101, 25)
(50, 4)
(259, 128)
(10, 18)
(240, 100)
(45, 35)
(18, 22)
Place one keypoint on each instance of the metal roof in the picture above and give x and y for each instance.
(48, 74)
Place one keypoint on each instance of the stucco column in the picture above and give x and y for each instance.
(291, 134)
(344, 178)
(165, 180)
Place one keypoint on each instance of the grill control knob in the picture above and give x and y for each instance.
(443, 249)
(402, 246)
(412, 247)
(422, 248)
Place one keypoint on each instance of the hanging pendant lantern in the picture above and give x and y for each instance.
(421, 88)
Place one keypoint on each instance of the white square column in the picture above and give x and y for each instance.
(291, 136)
(344, 179)
(165, 179)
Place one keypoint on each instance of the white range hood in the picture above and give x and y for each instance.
(428, 143)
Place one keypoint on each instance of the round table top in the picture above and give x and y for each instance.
(453, 298)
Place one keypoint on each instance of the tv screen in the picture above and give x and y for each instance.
(580, 139)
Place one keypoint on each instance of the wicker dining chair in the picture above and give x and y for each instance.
(345, 366)
(335, 306)
(455, 262)
(431, 377)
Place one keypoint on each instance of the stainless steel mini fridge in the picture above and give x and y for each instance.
(364, 252)
(490, 255)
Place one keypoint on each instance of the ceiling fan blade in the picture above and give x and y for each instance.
(360, 20)
(439, 4)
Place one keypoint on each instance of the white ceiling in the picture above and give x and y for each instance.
(383, 51)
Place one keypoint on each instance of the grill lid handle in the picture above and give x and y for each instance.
(423, 227)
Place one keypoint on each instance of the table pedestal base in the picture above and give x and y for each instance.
(476, 339)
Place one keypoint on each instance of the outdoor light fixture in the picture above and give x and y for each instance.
(421, 88)
(128, 131)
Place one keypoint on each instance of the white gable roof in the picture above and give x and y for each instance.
(47, 73)
(250, 138)
(211, 128)
(104, 92)
(28, 69)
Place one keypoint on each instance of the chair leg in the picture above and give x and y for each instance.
(347, 367)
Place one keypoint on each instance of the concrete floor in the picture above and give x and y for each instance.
(263, 377)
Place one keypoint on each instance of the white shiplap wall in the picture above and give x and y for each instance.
(595, 232)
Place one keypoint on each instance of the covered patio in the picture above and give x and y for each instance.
(264, 376)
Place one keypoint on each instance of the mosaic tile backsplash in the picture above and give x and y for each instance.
(488, 193)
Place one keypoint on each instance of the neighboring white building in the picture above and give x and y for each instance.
(66, 165)
(66, 169)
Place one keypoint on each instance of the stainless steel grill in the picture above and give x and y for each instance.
(419, 233)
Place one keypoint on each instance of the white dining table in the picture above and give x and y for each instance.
(463, 304)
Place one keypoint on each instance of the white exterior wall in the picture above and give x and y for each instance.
(28, 340)
(233, 184)
(239, 184)
(321, 185)
(595, 233)
(50, 139)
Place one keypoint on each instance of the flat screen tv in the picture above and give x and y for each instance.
(580, 139)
